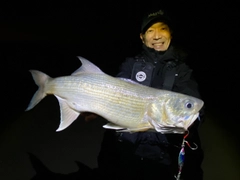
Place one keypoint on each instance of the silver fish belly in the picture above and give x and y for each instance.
(127, 105)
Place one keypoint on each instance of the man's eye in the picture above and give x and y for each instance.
(164, 28)
(150, 30)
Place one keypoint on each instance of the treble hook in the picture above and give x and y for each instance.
(181, 156)
(191, 147)
(185, 141)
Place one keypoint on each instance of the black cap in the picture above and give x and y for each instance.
(153, 17)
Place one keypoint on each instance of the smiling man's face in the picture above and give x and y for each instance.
(158, 37)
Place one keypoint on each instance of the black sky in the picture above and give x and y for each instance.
(48, 36)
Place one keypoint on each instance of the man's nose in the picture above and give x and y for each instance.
(157, 34)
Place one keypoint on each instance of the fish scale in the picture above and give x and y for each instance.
(127, 105)
(88, 92)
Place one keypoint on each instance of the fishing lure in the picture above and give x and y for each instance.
(181, 156)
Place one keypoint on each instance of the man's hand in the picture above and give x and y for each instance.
(88, 116)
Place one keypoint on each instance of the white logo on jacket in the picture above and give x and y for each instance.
(141, 76)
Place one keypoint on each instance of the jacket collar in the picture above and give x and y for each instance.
(155, 56)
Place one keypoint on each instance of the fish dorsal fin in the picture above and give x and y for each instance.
(87, 67)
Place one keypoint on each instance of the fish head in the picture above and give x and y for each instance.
(181, 110)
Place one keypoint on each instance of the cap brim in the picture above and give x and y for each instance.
(153, 21)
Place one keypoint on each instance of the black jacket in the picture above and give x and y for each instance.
(184, 81)
(154, 146)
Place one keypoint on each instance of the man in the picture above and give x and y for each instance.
(152, 155)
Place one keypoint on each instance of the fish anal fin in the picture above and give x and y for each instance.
(68, 115)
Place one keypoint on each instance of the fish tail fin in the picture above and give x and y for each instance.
(40, 79)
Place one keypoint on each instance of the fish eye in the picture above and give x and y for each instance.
(189, 105)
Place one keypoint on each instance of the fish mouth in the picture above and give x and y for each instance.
(181, 126)
(186, 123)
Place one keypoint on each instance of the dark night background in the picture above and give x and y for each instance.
(48, 37)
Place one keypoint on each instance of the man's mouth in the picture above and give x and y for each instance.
(158, 44)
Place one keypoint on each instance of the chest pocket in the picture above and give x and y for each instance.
(142, 72)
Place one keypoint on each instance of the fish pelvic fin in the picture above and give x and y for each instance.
(133, 130)
(40, 79)
(68, 115)
(124, 129)
(112, 126)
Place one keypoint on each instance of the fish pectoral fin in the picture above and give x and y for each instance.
(68, 115)
(157, 126)
(112, 126)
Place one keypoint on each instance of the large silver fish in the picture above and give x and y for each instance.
(127, 105)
